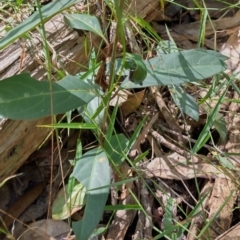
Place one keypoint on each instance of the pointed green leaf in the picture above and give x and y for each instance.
(225, 162)
(185, 102)
(122, 207)
(221, 126)
(89, 111)
(180, 67)
(168, 221)
(84, 22)
(111, 125)
(119, 69)
(72, 125)
(93, 171)
(204, 135)
(23, 97)
(32, 21)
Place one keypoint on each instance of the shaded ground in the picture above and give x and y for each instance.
(174, 181)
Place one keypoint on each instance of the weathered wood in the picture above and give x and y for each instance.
(19, 139)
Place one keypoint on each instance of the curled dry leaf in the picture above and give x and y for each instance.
(127, 101)
(133, 102)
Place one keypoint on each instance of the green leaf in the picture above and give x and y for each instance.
(97, 232)
(73, 125)
(75, 201)
(122, 207)
(84, 22)
(180, 228)
(132, 66)
(23, 97)
(48, 11)
(89, 111)
(180, 67)
(140, 157)
(168, 214)
(93, 171)
(185, 102)
(136, 132)
(137, 66)
(204, 135)
(225, 162)
(116, 148)
(119, 69)
(78, 150)
(221, 126)
(111, 126)
(214, 53)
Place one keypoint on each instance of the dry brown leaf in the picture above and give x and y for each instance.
(191, 30)
(175, 166)
(233, 127)
(133, 102)
(231, 49)
(119, 97)
(222, 190)
(233, 233)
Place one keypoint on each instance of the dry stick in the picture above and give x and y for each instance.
(143, 135)
(155, 148)
(144, 224)
(147, 202)
(210, 148)
(166, 113)
(161, 140)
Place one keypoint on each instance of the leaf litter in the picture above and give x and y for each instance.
(174, 180)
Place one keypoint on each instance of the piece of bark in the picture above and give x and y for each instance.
(19, 139)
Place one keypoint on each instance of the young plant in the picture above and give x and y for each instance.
(90, 180)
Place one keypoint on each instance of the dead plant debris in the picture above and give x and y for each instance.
(173, 180)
